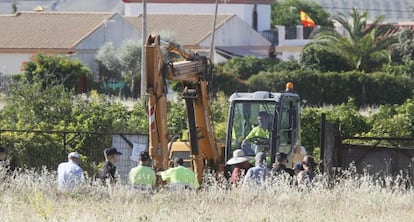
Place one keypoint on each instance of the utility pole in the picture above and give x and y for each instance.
(213, 33)
(143, 51)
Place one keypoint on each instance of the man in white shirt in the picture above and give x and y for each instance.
(70, 174)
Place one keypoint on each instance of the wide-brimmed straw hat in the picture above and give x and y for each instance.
(238, 157)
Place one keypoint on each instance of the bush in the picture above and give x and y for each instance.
(336, 88)
(244, 67)
(347, 114)
(46, 110)
(320, 59)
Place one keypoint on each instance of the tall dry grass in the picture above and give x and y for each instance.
(32, 196)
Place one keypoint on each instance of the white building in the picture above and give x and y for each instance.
(248, 10)
(233, 37)
(77, 34)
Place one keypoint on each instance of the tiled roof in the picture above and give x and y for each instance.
(48, 30)
(89, 6)
(208, 1)
(188, 29)
(394, 11)
(397, 28)
(23, 5)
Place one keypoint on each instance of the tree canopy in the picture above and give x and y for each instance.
(286, 13)
(55, 70)
(364, 46)
(123, 63)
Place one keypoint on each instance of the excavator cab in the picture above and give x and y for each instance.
(263, 122)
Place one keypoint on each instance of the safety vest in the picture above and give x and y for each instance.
(142, 175)
(180, 175)
(258, 131)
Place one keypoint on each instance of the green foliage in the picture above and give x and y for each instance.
(178, 121)
(390, 121)
(123, 62)
(393, 121)
(32, 107)
(30, 104)
(352, 122)
(402, 55)
(244, 67)
(286, 13)
(177, 118)
(219, 115)
(231, 76)
(107, 56)
(289, 65)
(55, 70)
(347, 114)
(404, 47)
(130, 58)
(226, 83)
(323, 60)
(363, 47)
(310, 128)
(335, 88)
(406, 69)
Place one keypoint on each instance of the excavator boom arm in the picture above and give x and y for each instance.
(193, 73)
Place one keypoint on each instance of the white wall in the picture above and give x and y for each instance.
(116, 30)
(286, 55)
(11, 63)
(236, 32)
(244, 11)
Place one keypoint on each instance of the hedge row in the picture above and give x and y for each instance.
(336, 88)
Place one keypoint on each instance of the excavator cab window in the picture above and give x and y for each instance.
(288, 124)
(251, 126)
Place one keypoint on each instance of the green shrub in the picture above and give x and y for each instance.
(336, 88)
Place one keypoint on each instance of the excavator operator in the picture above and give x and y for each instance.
(259, 135)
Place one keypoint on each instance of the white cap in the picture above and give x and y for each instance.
(74, 155)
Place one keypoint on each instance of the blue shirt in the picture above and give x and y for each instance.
(256, 175)
(70, 175)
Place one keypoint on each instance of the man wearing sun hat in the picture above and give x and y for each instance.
(240, 163)
(70, 174)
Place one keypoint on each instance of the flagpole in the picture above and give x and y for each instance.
(213, 33)
(290, 17)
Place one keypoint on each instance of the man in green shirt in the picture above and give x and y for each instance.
(261, 131)
(180, 177)
(142, 177)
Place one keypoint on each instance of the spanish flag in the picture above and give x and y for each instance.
(306, 20)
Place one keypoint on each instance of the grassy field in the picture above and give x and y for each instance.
(30, 196)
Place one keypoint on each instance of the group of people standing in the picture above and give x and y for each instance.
(141, 177)
(70, 174)
(244, 173)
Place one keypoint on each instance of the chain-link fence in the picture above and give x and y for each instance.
(46, 149)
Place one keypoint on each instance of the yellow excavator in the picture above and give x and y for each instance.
(202, 151)
(194, 73)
